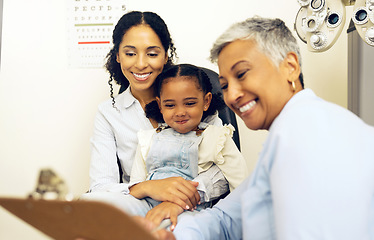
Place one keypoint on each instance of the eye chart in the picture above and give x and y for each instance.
(90, 28)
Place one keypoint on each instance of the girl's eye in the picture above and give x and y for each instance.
(169, 105)
(191, 103)
(130, 54)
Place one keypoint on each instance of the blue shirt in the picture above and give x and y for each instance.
(314, 180)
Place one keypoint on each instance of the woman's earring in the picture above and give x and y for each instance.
(293, 86)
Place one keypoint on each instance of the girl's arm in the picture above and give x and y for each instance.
(173, 189)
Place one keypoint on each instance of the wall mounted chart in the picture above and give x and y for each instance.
(90, 27)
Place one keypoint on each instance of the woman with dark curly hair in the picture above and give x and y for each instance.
(142, 49)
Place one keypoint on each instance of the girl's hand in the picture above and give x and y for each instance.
(174, 189)
(165, 210)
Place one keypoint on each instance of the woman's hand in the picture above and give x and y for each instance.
(163, 211)
(161, 234)
(149, 226)
(174, 189)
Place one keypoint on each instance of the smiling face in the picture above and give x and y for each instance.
(182, 103)
(142, 57)
(252, 86)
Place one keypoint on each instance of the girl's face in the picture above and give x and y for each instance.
(253, 87)
(142, 57)
(182, 104)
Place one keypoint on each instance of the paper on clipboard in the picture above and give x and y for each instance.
(67, 220)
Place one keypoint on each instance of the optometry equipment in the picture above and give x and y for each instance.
(319, 23)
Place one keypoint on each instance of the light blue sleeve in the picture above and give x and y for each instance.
(104, 171)
(223, 221)
(321, 179)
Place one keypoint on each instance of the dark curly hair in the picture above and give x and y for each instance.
(127, 21)
(184, 70)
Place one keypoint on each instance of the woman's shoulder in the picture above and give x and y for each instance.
(308, 113)
(105, 104)
(121, 101)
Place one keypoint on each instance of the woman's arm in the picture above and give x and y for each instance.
(223, 221)
(104, 171)
(165, 210)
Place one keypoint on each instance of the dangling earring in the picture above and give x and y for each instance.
(293, 86)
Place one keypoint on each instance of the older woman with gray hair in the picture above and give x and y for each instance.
(315, 175)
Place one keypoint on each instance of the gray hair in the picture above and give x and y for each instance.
(272, 36)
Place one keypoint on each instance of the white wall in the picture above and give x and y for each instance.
(47, 109)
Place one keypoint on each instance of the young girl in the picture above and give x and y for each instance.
(183, 145)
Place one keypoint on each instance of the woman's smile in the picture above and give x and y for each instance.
(248, 106)
(141, 76)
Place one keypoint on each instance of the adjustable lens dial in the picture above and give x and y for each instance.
(317, 5)
(304, 3)
(318, 40)
(312, 24)
(369, 36)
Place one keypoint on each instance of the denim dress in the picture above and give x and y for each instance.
(173, 154)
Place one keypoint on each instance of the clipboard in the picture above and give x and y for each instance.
(69, 220)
